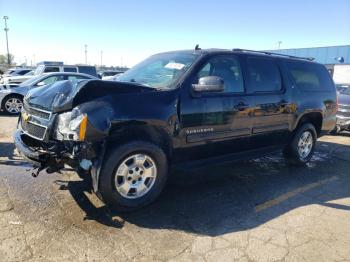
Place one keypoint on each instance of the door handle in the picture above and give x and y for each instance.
(241, 106)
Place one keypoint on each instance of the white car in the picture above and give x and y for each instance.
(14, 72)
(11, 95)
(18, 79)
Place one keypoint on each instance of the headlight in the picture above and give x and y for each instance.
(71, 126)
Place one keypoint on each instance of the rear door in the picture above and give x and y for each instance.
(216, 123)
(273, 110)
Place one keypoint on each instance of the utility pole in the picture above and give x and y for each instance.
(85, 54)
(101, 57)
(7, 41)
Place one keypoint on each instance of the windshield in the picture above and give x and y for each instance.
(159, 71)
(30, 81)
(344, 89)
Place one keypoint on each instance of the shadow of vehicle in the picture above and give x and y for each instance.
(8, 157)
(229, 198)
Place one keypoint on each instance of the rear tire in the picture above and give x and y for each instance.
(133, 175)
(301, 148)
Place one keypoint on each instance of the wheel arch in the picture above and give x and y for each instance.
(140, 130)
(314, 118)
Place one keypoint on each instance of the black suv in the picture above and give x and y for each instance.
(175, 107)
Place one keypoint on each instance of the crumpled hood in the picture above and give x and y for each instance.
(65, 95)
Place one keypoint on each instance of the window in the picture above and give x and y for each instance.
(76, 77)
(263, 75)
(90, 70)
(70, 69)
(227, 68)
(23, 72)
(50, 80)
(310, 77)
(50, 69)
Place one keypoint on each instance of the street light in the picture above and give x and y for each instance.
(7, 41)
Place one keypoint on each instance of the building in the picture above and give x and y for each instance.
(335, 58)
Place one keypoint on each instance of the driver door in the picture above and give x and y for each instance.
(216, 123)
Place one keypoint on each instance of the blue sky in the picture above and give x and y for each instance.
(129, 31)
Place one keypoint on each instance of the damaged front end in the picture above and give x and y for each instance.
(62, 134)
(68, 123)
(49, 141)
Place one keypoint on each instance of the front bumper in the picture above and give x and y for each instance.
(36, 157)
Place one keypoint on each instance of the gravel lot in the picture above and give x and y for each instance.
(258, 210)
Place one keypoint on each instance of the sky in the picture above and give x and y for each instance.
(129, 31)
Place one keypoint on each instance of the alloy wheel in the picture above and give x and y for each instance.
(135, 176)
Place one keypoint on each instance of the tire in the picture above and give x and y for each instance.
(299, 153)
(148, 164)
(12, 104)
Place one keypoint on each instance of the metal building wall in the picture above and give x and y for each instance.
(324, 55)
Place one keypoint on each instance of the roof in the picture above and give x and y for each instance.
(237, 50)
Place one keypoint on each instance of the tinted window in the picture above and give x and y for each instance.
(70, 69)
(310, 77)
(227, 68)
(23, 72)
(51, 69)
(264, 75)
(90, 70)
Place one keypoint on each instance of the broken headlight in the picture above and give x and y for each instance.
(71, 126)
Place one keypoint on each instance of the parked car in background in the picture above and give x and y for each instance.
(343, 114)
(14, 72)
(108, 75)
(198, 106)
(50, 67)
(18, 79)
(11, 95)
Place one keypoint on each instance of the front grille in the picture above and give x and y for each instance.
(38, 113)
(33, 130)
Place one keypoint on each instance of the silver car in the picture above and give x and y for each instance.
(11, 95)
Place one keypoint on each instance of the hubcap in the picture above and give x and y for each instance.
(135, 176)
(13, 105)
(305, 144)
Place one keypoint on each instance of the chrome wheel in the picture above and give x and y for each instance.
(305, 144)
(135, 176)
(13, 105)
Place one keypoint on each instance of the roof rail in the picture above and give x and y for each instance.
(272, 53)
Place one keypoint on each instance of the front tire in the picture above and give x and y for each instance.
(12, 104)
(301, 148)
(133, 175)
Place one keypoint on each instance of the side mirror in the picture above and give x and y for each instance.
(209, 84)
(42, 83)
